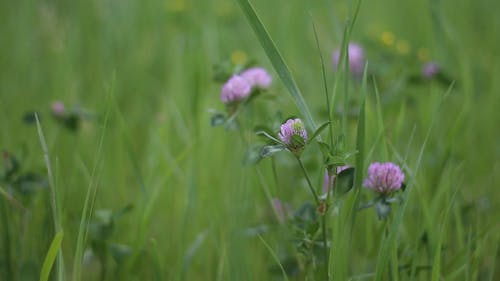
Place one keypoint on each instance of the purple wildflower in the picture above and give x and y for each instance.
(384, 177)
(257, 77)
(235, 89)
(291, 128)
(430, 69)
(356, 59)
(279, 209)
(330, 181)
(58, 109)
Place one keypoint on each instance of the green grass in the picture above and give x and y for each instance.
(183, 206)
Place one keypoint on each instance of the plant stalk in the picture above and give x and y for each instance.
(323, 217)
(315, 195)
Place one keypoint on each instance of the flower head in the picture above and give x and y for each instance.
(384, 177)
(356, 59)
(293, 134)
(58, 109)
(280, 209)
(430, 69)
(236, 89)
(257, 77)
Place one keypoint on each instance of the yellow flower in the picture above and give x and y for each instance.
(239, 57)
(403, 47)
(423, 54)
(387, 38)
(224, 9)
(177, 5)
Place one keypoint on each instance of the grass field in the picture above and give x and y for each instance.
(137, 184)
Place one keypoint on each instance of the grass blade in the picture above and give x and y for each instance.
(90, 197)
(390, 240)
(277, 60)
(53, 195)
(54, 248)
(319, 130)
(190, 253)
(380, 121)
(325, 84)
(360, 148)
(436, 267)
(360, 138)
(275, 257)
(7, 259)
(495, 256)
(53, 198)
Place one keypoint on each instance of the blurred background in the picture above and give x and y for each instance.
(174, 200)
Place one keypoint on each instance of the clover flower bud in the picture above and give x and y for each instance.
(294, 135)
(257, 77)
(430, 70)
(384, 177)
(236, 89)
(58, 109)
(356, 59)
(279, 209)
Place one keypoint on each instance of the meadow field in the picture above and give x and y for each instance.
(123, 160)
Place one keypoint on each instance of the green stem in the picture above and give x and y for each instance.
(316, 198)
(325, 84)
(329, 192)
(275, 172)
(323, 218)
(104, 269)
(8, 273)
(325, 246)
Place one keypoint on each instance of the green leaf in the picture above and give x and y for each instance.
(312, 228)
(335, 161)
(277, 60)
(319, 130)
(264, 133)
(269, 150)
(51, 256)
(29, 117)
(120, 252)
(297, 141)
(344, 182)
(383, 209)
(252, 155)
(263, 128)
(123, 211)
(325, 149)
(222, 72)
(218, 119)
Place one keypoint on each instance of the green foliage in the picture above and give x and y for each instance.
(344, 182)
(144, 72)
(54, 248)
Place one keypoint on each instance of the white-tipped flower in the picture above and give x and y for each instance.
(293, 134)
